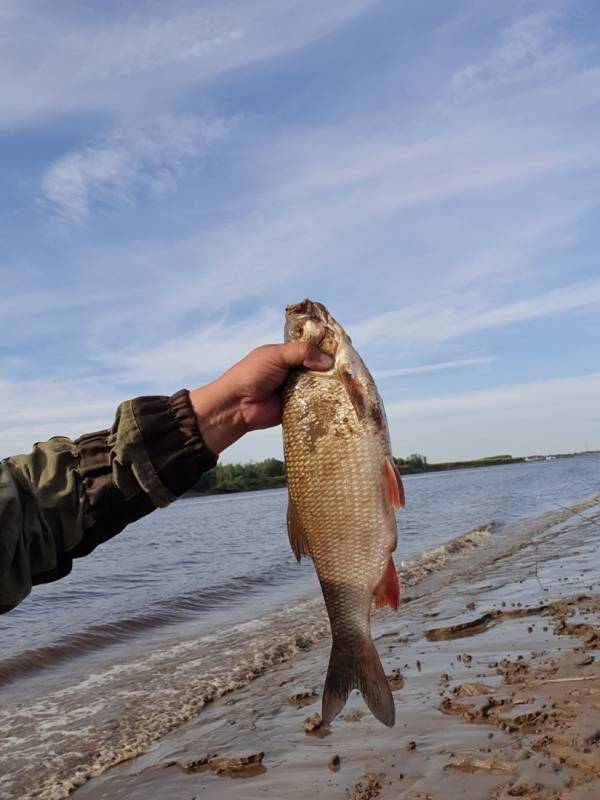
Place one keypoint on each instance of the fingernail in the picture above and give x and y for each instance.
(324, 359)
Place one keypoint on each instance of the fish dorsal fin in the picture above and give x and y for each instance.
(393, 481)
(296, 532)
(387, 592)
(353, 390)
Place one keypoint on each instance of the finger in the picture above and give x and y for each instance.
(292, 354)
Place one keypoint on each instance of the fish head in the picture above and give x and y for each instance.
(310, 321)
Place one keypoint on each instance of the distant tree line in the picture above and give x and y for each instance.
(415, 461)
(270, 473)
(227, 478)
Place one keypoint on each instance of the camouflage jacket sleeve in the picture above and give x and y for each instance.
(66, 497)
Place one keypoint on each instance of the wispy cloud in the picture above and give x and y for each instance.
(427, 200)
(127, 163)
(70, 407)
(441, 365)
(122, 58)
(556, 415)
(529, 48)
(437, 322)
(200, 353)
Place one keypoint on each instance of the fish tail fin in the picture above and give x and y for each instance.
(349, 669)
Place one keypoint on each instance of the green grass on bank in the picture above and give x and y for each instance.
(416, 463)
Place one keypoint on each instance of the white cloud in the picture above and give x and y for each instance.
(126, 163)
(478, 163)
(445, 213)
(34, 410)
(438, 322)
(303, 222)
(145, 55)
(441, 365)
(320, 188)
(557, 415)
(529, 48)
(51, 301)
(550, 416)
(201, 352)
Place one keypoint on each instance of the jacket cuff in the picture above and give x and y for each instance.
(172, 440)
(152, 455)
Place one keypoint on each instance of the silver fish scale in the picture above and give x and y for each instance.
(336, 484)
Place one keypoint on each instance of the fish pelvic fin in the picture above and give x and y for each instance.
(393, 482)
(387, 591)
(296, 533)
(357, 668)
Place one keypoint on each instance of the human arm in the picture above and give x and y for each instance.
(67, 496)
(63, 499)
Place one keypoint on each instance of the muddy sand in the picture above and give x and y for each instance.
(494, 661)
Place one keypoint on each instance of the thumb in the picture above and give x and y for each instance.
(293, 354)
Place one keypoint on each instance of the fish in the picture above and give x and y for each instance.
(343, 489)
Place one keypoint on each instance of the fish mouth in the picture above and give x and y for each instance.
(310, 309)
(310, 321)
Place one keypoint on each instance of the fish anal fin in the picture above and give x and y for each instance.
(387, 591)
(357, 668)
(393, 481)
(354, 391)
(296, 532)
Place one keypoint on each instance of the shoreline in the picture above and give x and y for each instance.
(497, 686)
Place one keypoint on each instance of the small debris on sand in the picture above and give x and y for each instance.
(409, 746)
(472, 763)
(367, 789)
(334, 763)
(354, 715)
(314, 725)
(237, 766)
(472, 689)
(395, 680)
(303, 697)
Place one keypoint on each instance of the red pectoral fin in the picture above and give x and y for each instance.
(394, 488)
(387, 592)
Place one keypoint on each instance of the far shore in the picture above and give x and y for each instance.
(260, 483)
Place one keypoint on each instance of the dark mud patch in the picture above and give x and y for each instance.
(369, 788)
(302, 697)
(559, 611)
(224, 766)
(549, 705)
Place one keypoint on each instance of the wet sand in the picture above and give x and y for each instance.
(494, 662)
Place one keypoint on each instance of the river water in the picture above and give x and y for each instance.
(200, 598)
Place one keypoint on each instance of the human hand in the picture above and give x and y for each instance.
(245, 397)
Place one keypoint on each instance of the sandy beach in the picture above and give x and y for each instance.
(493, 659)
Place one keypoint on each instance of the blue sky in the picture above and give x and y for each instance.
(175, 173)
